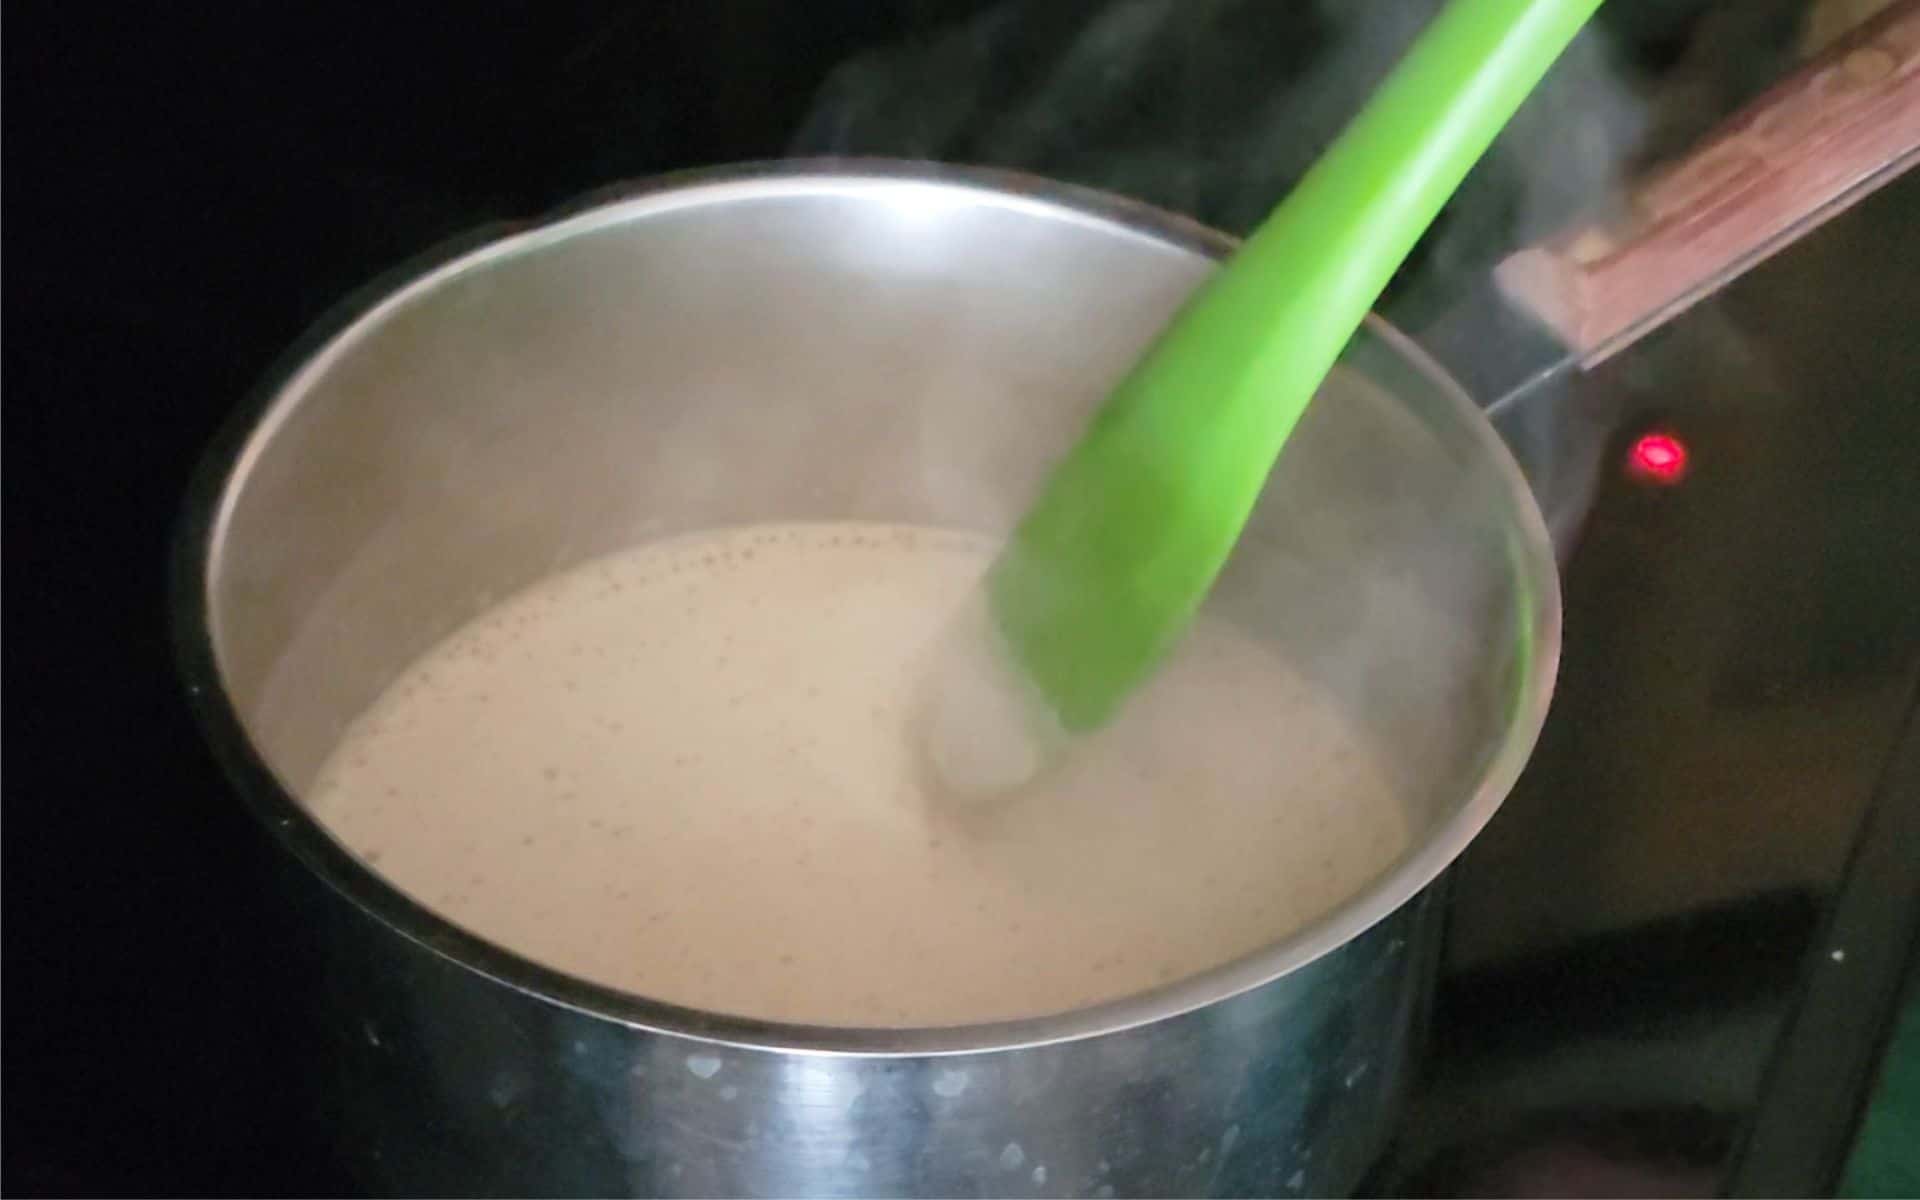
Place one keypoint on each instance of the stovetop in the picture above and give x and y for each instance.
(1671, 959)
(1673, 954)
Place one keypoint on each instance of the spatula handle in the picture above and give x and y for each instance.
(1134, 524)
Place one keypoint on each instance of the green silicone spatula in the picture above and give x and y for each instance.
(1129, 532)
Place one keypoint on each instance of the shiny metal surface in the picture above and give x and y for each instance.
(444, 1083)
(875, 342)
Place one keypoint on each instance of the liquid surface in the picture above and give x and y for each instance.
(688, 771)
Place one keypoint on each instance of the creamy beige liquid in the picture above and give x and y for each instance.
(687, 771)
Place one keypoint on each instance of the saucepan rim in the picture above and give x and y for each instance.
(224, 469)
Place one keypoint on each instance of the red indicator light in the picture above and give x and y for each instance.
(1658, 458)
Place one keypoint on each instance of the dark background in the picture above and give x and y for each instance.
(187, 188)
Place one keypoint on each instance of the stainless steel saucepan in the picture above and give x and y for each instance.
(878, 342)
